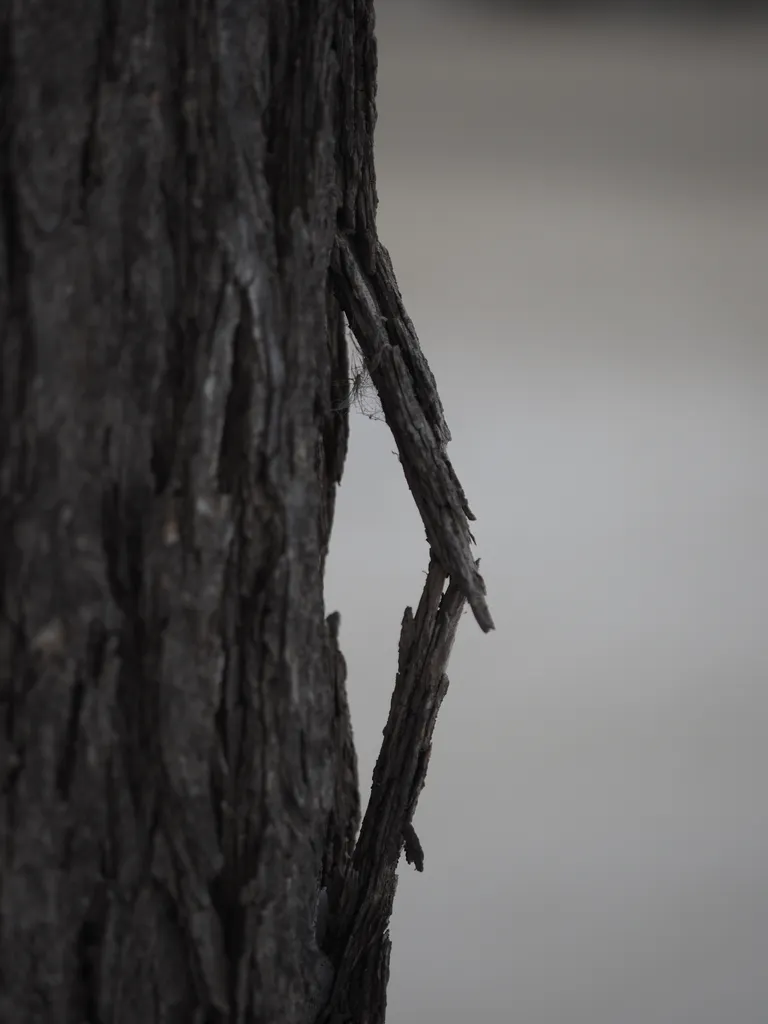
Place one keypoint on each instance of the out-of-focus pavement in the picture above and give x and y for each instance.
(579, 221)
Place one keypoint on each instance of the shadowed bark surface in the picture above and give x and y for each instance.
(179, 799)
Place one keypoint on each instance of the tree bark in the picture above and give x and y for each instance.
(187, 201)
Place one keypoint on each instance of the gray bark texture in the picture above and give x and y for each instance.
(187, 216)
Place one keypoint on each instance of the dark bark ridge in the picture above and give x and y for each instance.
(187, 208)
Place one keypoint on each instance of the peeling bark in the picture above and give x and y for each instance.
(181, 184)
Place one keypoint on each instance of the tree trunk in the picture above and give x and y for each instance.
(186, 195)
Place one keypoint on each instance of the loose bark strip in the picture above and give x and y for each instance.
(358, 940)
(413, 411)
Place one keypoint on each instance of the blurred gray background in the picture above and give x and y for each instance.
(578, 214)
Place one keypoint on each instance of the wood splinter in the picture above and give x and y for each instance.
(414, 852)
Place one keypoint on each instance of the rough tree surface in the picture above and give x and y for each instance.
(187, 205)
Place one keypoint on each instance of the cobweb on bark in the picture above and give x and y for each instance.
(361, 391)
